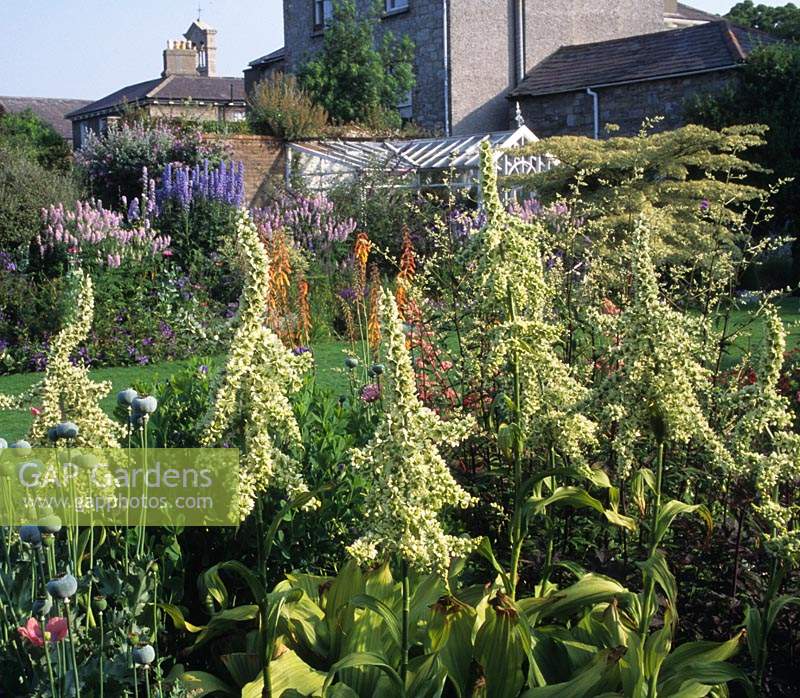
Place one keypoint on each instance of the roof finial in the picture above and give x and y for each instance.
(199, 11)
(518, 117)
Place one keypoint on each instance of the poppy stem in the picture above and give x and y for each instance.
(47, 657)
(72, 649)
(102, 650)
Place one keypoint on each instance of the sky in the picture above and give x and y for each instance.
(87, 49)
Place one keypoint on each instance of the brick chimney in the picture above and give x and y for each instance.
(180, 58)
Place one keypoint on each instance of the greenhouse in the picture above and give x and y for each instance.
(421, 163)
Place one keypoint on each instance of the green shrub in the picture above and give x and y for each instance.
(226, 127)
(38, 139)
(279, 107)
(26, 187)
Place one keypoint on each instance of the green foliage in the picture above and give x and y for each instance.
(781, 21)
(352, 78)
(36, 139)
(688, 183)
(340, 636)
(26, 187)
(280, 108)
(226, 127)
(766, 93)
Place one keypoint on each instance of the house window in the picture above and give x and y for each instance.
(406, 106)
(396, 5)
(323, 13)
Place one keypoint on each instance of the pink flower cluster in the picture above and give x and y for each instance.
(98, 234)
(311, 220)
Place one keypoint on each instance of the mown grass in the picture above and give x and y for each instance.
(329, 356)
(14, 424)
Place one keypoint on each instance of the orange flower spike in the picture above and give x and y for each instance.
(408, 258)
(362, 249)
(374, 323)
(304, 311)
(408, 268)
(361, 253)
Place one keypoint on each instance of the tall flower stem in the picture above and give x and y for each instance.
(72, 649)
(405, 629)
(648, 609)
(102, 650)
(517, 533)
(47, 658)
(775, 581)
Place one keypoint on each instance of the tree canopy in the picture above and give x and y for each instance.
(768, 93)
(783, 22)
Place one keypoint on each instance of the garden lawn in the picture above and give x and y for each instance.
(751, 334)
(14, 424)
(329, 356)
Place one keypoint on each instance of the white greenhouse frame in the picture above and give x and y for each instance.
(422, 163)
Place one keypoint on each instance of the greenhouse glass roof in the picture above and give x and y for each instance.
(324, 163)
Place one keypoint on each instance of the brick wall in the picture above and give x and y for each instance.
(627, 106)
(264, 161)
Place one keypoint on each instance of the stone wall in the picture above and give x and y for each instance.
(482, 56)
(550, 25)
(627, 106)
(484, 46)
(264, 161)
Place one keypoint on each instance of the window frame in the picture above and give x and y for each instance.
(322, 14)
(396, 7)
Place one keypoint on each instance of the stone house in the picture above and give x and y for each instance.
(189, 87)
(579, 89)
(471, 53)
(463, 76)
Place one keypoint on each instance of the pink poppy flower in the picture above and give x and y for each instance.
(35, 411)
(55, 631)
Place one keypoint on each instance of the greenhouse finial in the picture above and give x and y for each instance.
(518, 117)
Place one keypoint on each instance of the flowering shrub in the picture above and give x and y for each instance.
(114, 160)
(67, 392)
(410, 482)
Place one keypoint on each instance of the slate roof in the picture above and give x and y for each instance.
(273, 57)
(170, 88)
(52, 111)
(703, 48)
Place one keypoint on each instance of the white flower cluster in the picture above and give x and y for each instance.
(254, 387)
(410, 482)
(517, 299)
(656, 388)
(767, 448)
(67, 393)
